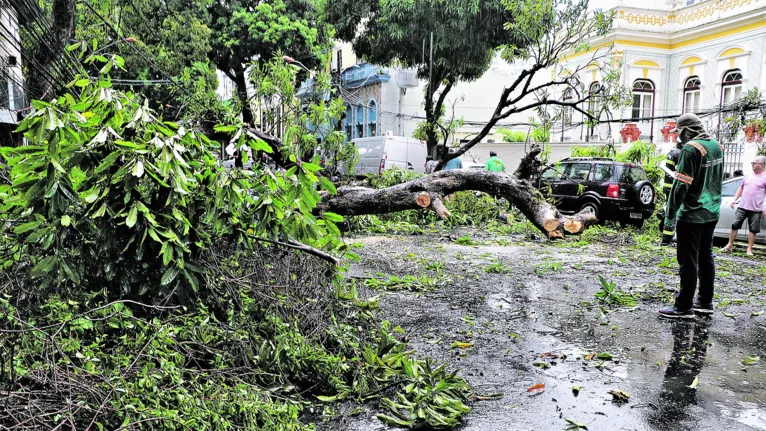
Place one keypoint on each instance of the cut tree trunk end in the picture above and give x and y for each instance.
(352, 201)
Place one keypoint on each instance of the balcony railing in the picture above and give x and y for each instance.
(364, 74)
(14, 99)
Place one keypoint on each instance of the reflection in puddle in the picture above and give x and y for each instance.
(679, 387)
(749, 414)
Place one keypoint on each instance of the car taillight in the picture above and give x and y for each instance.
(382, 166)
(613, 191)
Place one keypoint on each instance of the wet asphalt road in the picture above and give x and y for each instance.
(542, 309)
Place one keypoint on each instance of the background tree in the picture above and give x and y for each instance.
(44, 36)
(466, 34)
(246, 31)
(165, 45)
(547, 30)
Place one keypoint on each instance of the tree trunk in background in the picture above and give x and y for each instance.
(241, 82)
(61, 25)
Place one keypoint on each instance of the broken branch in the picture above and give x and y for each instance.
(360, 200)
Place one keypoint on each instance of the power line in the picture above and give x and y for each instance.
(117, 33)
(40, 32)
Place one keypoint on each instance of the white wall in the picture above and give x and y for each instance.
(9, 48)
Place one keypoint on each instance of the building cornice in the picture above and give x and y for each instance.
(662, 42)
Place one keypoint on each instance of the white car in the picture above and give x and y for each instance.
(381, 153)
(723, 227)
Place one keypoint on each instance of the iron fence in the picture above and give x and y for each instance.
(732, 155)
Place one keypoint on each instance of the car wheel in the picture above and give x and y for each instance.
(645, 193)
(591, 207)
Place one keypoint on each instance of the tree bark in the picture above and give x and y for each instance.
(351, 201)
(42, 79)
(241, 82)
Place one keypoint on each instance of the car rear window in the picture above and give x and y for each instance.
(578, 171)
(604, 172)
(633, 174)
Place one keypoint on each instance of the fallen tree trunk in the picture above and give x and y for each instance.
(428, 192)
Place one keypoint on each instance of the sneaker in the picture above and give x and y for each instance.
(703, 308)
(673, 313)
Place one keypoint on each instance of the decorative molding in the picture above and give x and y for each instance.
(686, 16)
(646, 63)
(691, 61)
(731, 52)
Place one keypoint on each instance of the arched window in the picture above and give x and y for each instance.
(593, 106)
(348, 122)
(372, 119)
(692, 94)
(731, 87)
(643, 99)
(359, 123)
(566, 115)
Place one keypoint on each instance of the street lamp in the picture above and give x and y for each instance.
(291, 60)
(126, 40)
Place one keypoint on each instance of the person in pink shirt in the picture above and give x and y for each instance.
(753, 192)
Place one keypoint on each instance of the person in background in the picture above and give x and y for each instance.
(753, 192)
(726, 176)
(494, 164)
(693, 209)
(738, 173)
(671, 162)
(430, 165)
(455, 163)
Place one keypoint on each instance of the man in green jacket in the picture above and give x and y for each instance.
(494, 164)
(693, 208)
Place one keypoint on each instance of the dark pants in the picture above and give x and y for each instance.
(695, 257)
(661, 214)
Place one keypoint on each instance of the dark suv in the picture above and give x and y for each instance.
(612, 190)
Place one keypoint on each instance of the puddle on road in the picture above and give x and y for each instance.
(528, 314)
(750, 414)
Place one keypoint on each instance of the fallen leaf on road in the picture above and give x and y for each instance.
(695, 383)
(460, 345)
(548, 355)
(755, 314)
(729, 315)
(750, 360)
(543, 365)
(575, 390)
(536, 388)
(606, 355)
(590, 356)
(575, 425)
(620, 396)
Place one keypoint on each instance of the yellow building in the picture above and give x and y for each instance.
(676, 56)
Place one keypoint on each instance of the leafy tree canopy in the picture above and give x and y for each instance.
(246, 31)
(168, 40)
(465, 34)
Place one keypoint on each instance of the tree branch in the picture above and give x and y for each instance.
(412, 195)
(295, 245)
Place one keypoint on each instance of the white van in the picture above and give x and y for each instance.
(380, 153)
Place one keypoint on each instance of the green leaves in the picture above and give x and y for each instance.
(130, 221)
(26, 227)
(138, 169)
(335, 218)
(170, 274)
(327, 185)
(107, 162)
